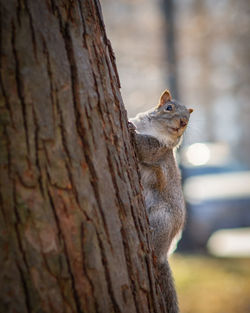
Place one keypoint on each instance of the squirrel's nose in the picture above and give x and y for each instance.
(183, 122)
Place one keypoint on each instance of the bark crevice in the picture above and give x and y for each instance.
(19, 85)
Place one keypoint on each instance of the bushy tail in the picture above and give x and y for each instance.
(167, 286)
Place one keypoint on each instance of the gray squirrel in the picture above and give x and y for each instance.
(156, 133)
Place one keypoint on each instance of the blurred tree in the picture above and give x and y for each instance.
(213, 54)
(73, 229)
(169, 12)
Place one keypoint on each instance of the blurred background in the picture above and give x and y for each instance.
(200, 50)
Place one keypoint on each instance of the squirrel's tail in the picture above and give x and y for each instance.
(167, 286)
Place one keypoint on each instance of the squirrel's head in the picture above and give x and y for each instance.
(170, 118)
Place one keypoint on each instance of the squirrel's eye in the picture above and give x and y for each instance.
(169, 108)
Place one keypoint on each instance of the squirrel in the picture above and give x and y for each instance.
(156, 133)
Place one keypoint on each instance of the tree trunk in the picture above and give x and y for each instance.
(73, 228)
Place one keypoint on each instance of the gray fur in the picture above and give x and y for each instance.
(157, 133)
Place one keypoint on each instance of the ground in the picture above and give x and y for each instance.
(212, 285)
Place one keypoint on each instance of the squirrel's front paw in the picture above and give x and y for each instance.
(131, 127)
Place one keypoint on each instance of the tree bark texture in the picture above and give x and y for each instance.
(73, 228)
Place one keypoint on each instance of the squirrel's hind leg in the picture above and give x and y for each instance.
(162, 229)
(162, 236)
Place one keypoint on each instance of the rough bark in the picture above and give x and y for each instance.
(73, 229)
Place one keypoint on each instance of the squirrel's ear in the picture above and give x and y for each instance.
(190, 110)
(165, 97)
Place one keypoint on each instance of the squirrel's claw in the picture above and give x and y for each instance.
(131, 127)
